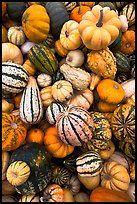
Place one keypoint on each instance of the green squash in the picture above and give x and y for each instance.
(128, 149)
(122, 61)
(38, 160)
(117, 43)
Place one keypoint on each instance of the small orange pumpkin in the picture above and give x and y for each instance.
(35, 135)
(106, 107)
(128, 42)
(29, 67)
(54, 145)
(110, 91)
(77, 13)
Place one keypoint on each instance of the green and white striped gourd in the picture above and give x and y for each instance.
(70, 5)
(31, 108)
(89, 164)
(14, 77)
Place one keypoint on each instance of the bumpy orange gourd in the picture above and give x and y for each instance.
(36, 23)
(13, 132)
(78, 12)
(54, 145)
(99, 27)
(35, 135)
(110, 91)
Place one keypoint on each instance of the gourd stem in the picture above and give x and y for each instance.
(99, 23)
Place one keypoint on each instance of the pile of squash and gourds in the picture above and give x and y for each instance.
(68, 101)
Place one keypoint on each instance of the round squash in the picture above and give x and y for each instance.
(78, 12)
(44, 80)
(15, 10)
(61, 51)
(107, 153)
(68, 196)
(90, 182)
(34, 18)
(17, 100)
(35, 135)
(7, 107)
(16, 35)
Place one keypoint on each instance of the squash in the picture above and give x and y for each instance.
(128, 42)
(102, 63)
(119, 5)
(117, 43)
(46, 96)
(4, 8)
(29, 198)
(17, 173)
(4, 34)
(75, 126)
(70, 36)
(68, 196)
(35, 135)
(108, 4)
(43, 58)
(114, 176)
(110, 91)
(44, 80)
(61, 90)
(73, 184)
(31, 107)
(127, 148)
(78, 12)
(108, 152)
(39, 162)
(5, 163)
(102, 194)
(29, 67)
(122, 61)
(90, 182)
(122, 76)
(60, 50)
(54, 145)
(89, 164)
(33, 18)
(123, 123)
(13, 132)
(53, 110)
(70, 5)
(81, 98)
(57, 76)
(104, 107)
(43, 124)
(15, 10)
(7, 188)
(82, 197)
(58, 17)
(129, 11)
(50, 41)
(52, 193)
(99, 27)
(11, 53)
(7, 107)
(26, 46)
(16, 35)
(78, 77)
(7, 22)
(131, 191)
(75, 58)
(132, 64)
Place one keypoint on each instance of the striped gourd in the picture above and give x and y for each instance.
(120, 4)
(129, 12)
(128, 149)
(31, 108)
(43, 58)
(14, 77)
(89, 164)
(50, 41)
(123, 62)
(75, 126)
(53, 110)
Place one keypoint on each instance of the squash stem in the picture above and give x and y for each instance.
(99, 23)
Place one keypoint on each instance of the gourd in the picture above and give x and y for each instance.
(62, 90)
(68, 196)
(128, 149)
(38, 160)
(108, 4)
(73, 184)
(89, 164)
(46, 96)
(29, 198)
(115, 176)
(17, 100)
(5, 163)
(70, 36)
(95, 79)
(132, 64)
(108, 152)
(70, 5)
(124, 21)
(4, 34)
(90, 182)
(90, 4)
(123, 123)
(129, 11)
(79, 78)
(11, 53)
(16, 35)
(102, 63)
(77, 13)
(117, 43)
(35, 135)
(29, 67)
(122, 61)
(44, 80)
(75, 58)
(61, 51)
(75, 126)
(8, 198)
(99, 27)
(132, 171)
(7, 107)
(31, 108)
(43, 58)
(104, 107)
(50, 41)
(14, 77)
(131, 191)
(15, 10)
(33, 18)
(119, 5)
(54, 145)
(129, 87)
(13, 132)
(58, 17)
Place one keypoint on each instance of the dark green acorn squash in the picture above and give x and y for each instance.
(122, 61)
(117, 43)
(40, 170)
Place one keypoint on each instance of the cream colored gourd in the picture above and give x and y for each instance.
(44, 80)
(75, 58)
(79, 78)
(90, 182)
(16, 35)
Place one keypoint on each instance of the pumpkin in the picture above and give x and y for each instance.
(15, 10)
(73, 184)
(60, 175)
(54, 145)
(44, 80)
(110, 91)
(129, 11)
(17, 173)
(16, 35)
(4, 34)
(75, 58)
(106, 107)
(61, 90)
(102, 194)
(7, 107)
(81, 197)
(127, 148)
(78, 77)
(39, 162)
(33, 18)
(5, 163)
(114, 176)
(68, 196)
(70, 36)
(123, 123)
(128, 42)
(90, 182)
(26, 46)
(7, 188)
(29, 67)
(81, 98)
(13, 132)
(52, 193)
(29, 198)
(106, 153)
(60, 50)
(35, 135)
(99, 27)
(89, 164)
(58, 16)
(75, 126)
(17, 100)
(4, 8)
(11, 53)
(95, 79)
(78, 12)
(131, 191)
(46, 96)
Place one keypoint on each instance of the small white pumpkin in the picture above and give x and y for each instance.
(44, 80)
(16, 35)
(75, 58)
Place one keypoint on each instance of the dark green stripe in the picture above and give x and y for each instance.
(11, 86)
(16, 66)
(39, 103)
(31, 104)
(63, 130)
(15, 77)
